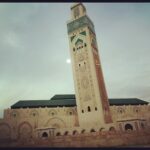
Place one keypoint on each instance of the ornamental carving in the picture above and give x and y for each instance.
(120, 110)
(55, 123)
(76, 12)
(34, 113)
(82, 68)
(136, 110)
(79, 23)
(52, 113)
(81, 57)
(25, 130)
(85, 82)
(87, 97)
(14, 114)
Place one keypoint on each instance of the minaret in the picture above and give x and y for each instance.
(91, 97)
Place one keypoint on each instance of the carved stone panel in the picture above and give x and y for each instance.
(85, 82)
(25, 130)
(79, 23)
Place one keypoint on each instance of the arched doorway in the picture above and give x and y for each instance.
(128, 127)
(45, 135)
(66, 133)
(92, 130)
(83, 131)
(112, 129)
(25, 131)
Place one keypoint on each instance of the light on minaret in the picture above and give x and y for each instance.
(91, 96)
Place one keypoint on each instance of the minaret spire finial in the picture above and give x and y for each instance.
(78, 10)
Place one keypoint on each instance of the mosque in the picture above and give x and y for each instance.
(87, 113)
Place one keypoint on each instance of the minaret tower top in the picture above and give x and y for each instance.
(91, 96)
(78, 10)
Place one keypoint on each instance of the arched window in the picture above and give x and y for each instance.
(142, 125)
(85, 44)
(89, 109)
(73, 49)
(101, 129)
(82, 111)
(52, 112)
(45, 135)
(14, 114)
(83, 131)
(66, 133)
(76, 12)
(75, 132)
(92, 130)
(112, 129)
(136, 109)
(96, 108)
(128, 127)
(58, 134)
(70, 112)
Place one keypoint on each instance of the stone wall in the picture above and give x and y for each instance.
(95, 139)
(21, 124)
(130, 112)
(18, 121)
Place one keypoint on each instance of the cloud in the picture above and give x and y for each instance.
(11, 40)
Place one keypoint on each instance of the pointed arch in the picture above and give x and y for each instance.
(128, 127)
(101, 129)
(75, 132)
(55, 123)
(83, 131)
(79, 36)
(45, 135)
(66, 133)
(92, 130)
(25, 130)
(112, 129)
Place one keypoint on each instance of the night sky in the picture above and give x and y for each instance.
(34, 50)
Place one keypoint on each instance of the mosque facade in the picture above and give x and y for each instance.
(87, 113)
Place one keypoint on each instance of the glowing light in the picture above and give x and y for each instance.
(68, 61)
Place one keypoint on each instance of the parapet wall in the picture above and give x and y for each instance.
(98, 139)
(95, 139)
